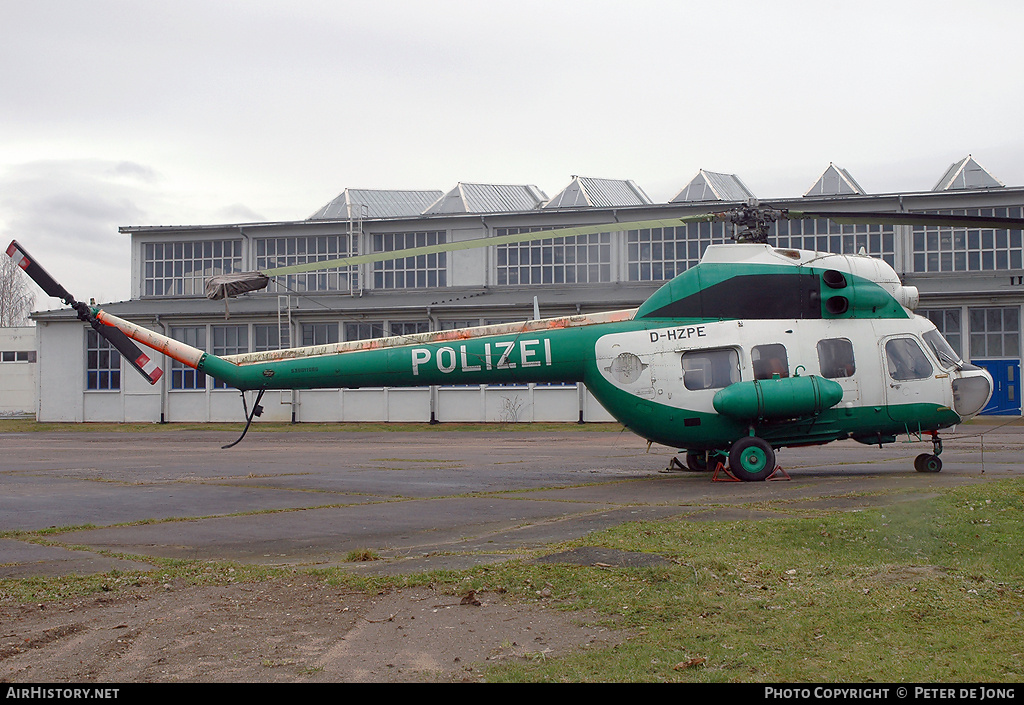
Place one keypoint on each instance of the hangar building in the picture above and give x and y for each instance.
(971, 283)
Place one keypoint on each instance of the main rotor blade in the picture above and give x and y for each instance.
(751, 221)
(875, 218)
(488, 241)
(39, 275)
(129, 351)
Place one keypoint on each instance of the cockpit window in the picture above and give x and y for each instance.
(710, 369)
(835, 358)
(943, 350)
(906, 359)
(769, 360)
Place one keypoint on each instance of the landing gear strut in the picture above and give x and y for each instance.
(930, 462)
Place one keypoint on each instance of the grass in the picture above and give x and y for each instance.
(930, 590)
(926, 591)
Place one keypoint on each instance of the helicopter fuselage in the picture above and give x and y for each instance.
(826, 348)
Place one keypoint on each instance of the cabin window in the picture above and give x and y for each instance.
(835, 358)
(710, 369)
(770, 360)
(947, 320)
(906, 359)
(943, 351)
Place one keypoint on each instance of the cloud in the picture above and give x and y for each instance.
(67, 213)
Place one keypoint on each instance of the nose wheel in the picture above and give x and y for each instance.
(930, 462)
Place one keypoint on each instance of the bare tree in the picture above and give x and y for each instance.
(16, 297)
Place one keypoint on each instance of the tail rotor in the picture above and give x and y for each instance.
(121, 342)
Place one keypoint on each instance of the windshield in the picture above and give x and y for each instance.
(946, 355)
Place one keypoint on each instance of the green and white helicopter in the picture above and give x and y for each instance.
(756, 348)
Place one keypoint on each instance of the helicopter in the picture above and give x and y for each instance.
(753, 349)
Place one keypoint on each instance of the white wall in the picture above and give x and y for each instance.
(63, 397)
(18, 377)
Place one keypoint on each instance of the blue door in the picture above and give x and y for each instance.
(1005, 399)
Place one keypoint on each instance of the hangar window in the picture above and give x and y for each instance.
(657, 254)
(103, 363)
(319, 333)
(181, 268)
(579, 259)
(824, 235)
(269, 336)
(364, 330)
(183, 376)
(229, 340)
(946, 249)
(995, 332)
(272, 252)
(710, 369)
(459, 323)
(408, 327)
(835, 358)
(421, 271)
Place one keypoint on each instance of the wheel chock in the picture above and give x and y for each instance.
(729, 477)
(675, 466)
(779, 474)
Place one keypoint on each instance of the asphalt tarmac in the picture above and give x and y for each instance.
(418, 499)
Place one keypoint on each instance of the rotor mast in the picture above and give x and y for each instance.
(752, 221)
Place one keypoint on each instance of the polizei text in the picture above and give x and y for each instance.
(502, 355)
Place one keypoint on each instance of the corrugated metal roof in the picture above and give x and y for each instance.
(711, 186)
(602, 193)
(967, 174)
(376, 203)
(488, 198)
(835, 181)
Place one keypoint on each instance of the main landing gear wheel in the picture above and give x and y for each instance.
(751, 459)
(697, 461)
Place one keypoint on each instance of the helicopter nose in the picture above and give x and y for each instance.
(971, 391)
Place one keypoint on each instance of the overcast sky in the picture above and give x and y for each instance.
(117, 112)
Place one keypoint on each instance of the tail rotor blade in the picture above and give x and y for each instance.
(121, 342)
(130, 351)
(39, 275)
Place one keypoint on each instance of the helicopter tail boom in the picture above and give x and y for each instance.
(176, 350)
(508, 352)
